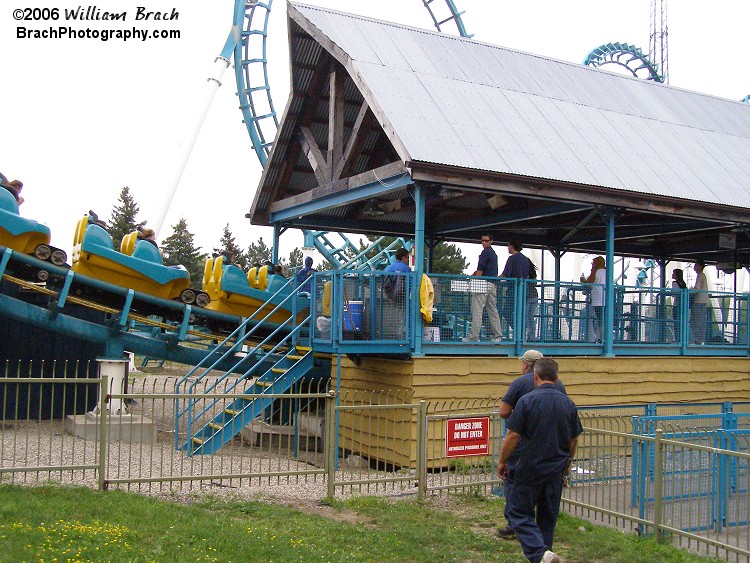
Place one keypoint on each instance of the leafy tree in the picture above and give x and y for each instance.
(179, 248)
(448, 259)
(229, 246)
(259, 252)
(123, 218)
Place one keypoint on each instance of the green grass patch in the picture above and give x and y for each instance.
(77, 524)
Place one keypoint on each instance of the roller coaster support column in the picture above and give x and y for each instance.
(275, 249)
(609, 294)
(221, 63)
(419, 221)
(115, 423)
(116, 371)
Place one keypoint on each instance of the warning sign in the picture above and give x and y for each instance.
(467, 436)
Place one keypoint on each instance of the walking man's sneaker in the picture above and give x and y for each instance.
(550, 557)
(506, 533)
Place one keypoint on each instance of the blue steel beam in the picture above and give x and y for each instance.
(27, 313)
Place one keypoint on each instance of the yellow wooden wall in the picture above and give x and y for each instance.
(445, 383)
(588, 380)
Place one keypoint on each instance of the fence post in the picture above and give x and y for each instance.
(421, 450)
(658, 484)
(103, 415)
(329, 443)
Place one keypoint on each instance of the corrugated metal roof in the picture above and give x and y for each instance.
(458, 102)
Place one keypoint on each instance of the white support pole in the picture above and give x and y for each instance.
(220, 65)
(116, 371)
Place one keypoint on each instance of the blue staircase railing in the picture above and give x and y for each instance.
(273, 366)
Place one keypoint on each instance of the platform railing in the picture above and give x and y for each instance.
(564, 318)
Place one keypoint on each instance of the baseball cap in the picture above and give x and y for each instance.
(531, 356)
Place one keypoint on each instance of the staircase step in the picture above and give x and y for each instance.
(264, 383)
(279, 370)
(198, 441)
(232, 412)
(303, 348)
(293, 357)
(215, 426)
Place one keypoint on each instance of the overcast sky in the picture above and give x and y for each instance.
(80, 118)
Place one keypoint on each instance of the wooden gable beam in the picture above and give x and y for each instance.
(356, 139)
(335, 118)
(314, 156)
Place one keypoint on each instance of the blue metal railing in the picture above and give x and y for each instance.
(691, 473)
(286, 335)
(504, 316)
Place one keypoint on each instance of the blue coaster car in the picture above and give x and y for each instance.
(95, 256)
(26, 235)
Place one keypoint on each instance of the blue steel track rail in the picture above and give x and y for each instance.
(249, 40)
(115, 333)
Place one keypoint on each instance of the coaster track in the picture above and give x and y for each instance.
(251, 65)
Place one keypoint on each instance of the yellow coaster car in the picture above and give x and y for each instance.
(25, 235)
(234, 293)
(95, 256)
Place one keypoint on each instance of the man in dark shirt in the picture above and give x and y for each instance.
(519, 266)
(517, 389)
(484, 294)
(544, 427)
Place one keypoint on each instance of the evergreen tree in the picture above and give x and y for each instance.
(229, 246)
(259, 252)
(123, 218)
(179, 248)
(448, 259)
(295, 258)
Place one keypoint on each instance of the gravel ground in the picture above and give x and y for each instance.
(240, 469)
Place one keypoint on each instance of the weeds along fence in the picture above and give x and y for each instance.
(688, 484)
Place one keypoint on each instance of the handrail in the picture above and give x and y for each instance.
(210, 404)
(240, 330)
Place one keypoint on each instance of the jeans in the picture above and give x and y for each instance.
(543, 498)
(698, 313)
(532, 307)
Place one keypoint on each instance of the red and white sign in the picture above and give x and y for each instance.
(467, 436)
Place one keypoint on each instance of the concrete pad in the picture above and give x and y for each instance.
(123, 428)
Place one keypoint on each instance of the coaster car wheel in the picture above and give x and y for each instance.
(202, 299)
(187, 296)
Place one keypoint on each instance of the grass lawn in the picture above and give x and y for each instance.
(77, 524)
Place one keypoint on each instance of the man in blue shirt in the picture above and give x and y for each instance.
(519, 266)
(394, 290)
(517, 389)
(544, 427)
(484, 294)
(303, 276)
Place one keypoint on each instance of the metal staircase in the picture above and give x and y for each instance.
(204, 421)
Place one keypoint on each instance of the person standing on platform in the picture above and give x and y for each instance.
(517, 389)
(699, 304)
(487, 297)
(520, 267)
(597, 277)
(678, 284)
(544, 428)
(394, 289)
(304, 274)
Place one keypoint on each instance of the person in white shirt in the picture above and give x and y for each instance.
(699, 304)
